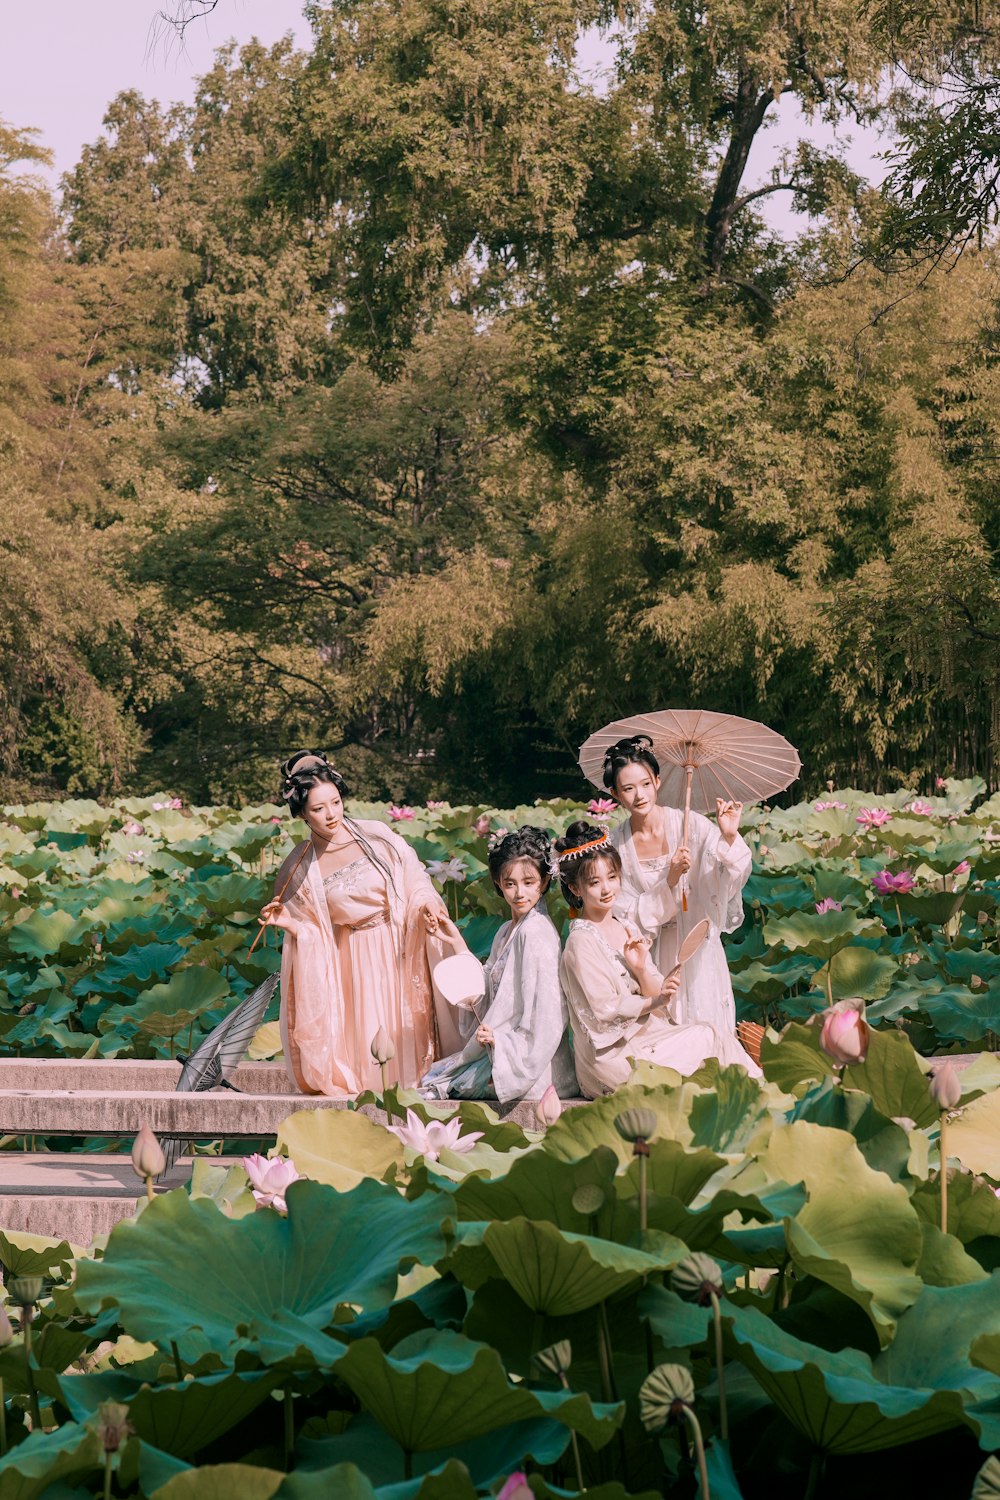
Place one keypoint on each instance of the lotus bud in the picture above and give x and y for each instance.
(549, 1108)
(588, 1199)
(148, 1159)
(982, 917)
(383, 1048)
(664, 1394)
(26, 1290)
(636, 1125)
(845, 1034)
(946, 1086)
(6, 1331)
(976, 983)
(556, 1359)
(697, 1278)
(113, 1425)
(516, 1488)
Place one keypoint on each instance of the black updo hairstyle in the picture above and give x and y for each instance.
(637, 750)
(526, 842)
(576, 835)
(297, 784)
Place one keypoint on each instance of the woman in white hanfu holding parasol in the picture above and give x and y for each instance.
(363, 927)
(668, 884)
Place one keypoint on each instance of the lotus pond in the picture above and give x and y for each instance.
(125, 930)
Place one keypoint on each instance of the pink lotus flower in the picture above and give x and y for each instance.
(549, 1108)
(829, 806)
(175, 803)
(135, 856)
(845, 1033)
(888, 884)
(940, 783)
(133, 829)
(276, 820)
(482, 825)
(962, 868)
(436, 1136)
(159, 806)
(434, 806)
(601, 807)
(270, 1179)
(828, 904)
(921, 808)
(873, 817)
(401, 814)
(517, 1486)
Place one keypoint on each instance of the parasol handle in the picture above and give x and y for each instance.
(689, 769)
(284, 888)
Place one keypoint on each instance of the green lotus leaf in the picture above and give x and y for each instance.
(166, 1008)
(57, 1460)
(835, 1400)
(778, 894)
(178, 1418)
(943, 1260)
(964, 963)
(795, 1060)
(35, 1254)
(932, 908)
(580, 1131)
(883, 1144)
(542, 1187)
(728, 1109)
(226, 894)
(858, 1232)
(554, 1271)
(893, 1076)
(856, 971)
(227, 1187)
(183, 1271)
(339, 1147)
(132, 970)
(762, 982)
(678, 1324)
(820, 933)
(975, 1136)
(968, 1014)
(837, 884)
(438, 1388)
(46, 935)
(234, 1482)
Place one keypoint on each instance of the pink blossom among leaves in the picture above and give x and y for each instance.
(888, 884)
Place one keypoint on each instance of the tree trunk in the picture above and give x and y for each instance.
(749, 109)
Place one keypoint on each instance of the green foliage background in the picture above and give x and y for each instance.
(410, 396)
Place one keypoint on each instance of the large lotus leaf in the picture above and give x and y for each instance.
(438, 1388)
(981, 1076)
(932, 908)
(762, 982)
(975, 1136)
(839, 885)
(893, 1075)
(834, 1400)
(855, 971)
(183, 1271)
(51, 934)
(488, 1458)
(883, 1144)
(795, 1061)
(944, 1261)
(858, 1232)
(542, 1187)
(338, 1146)
(166, 1008)
(554, 1271)
(776, 893)
(35, 1254)
(237, 1482)
(820, 933)
(936, 1339)
(964, 963)
(729, 1108)
(580, 1131)
(132, 970)
(178, 1418)
(224, 895)
(965, 1013)
(57, 1460)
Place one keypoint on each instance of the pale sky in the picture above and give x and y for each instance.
(62, 61)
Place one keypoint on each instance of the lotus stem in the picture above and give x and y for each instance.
(604, 1349)
(286, 1397)
(720, 1370)
(108, 1461)
(36, 1416)
(3, 1420)
(899, 915)
(381, 1068)
(815, 1472)
(699, 1448)
(177, 1359)
(829, 981)
(407, 1464)
(576, 1446)
(642, 1190)
(943, 1157)
(149, 1189)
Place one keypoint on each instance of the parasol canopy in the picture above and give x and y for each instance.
(736, 759)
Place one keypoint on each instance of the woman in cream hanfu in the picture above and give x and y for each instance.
(518, 1045)
(363, 927)
(621, 1006)
(714, 868)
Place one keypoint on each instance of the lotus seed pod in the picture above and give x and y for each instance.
(557, 1358)
(148, 1159)
(696, 1278)
(946, 1086)
(26, 1290)
(383, 1048)
(987, 1481)
(662, 1395)
(635, 1124)
(588, 1199)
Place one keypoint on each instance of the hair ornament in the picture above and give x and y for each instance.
(567, 854)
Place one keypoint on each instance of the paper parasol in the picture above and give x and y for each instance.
(702, 756)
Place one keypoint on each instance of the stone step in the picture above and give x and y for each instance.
(103, 1112)
(123, 1074)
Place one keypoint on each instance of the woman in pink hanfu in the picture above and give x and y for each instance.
(363, 927)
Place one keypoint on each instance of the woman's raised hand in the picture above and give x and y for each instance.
(680, 863)
(448, 932)
(484, 1036)
(668, 989)
(275, 914)
(635, 952)
(434, 915)
(728, 815)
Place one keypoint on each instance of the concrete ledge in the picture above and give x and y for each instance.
(116, 1075)
(191, 1116)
